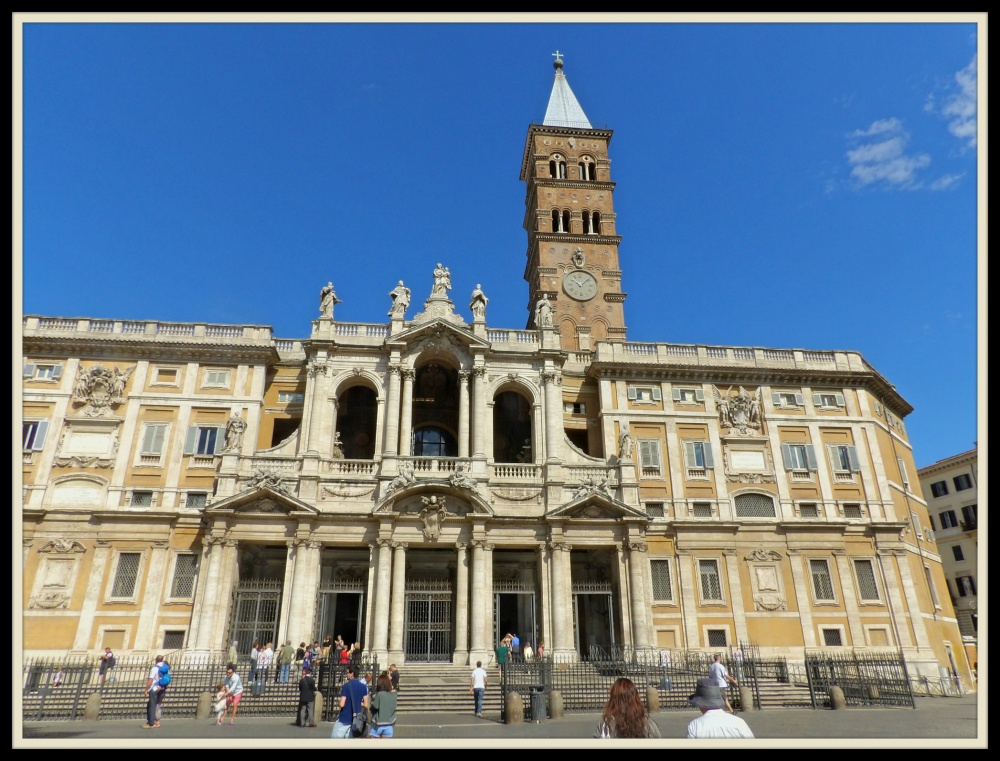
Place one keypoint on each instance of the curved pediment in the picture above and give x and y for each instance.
(414, 498)
(595, 506)
(262, 500)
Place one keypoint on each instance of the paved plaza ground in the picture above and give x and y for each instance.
(950, 722)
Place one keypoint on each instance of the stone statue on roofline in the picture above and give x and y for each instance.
(400, 300)
(478, 303)
(327, 300)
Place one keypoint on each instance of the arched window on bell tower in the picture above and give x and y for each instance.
(557, 166)
(588, 169)
(560, 221)
(591, 222)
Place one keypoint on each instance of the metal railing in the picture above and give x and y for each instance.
(866, 679)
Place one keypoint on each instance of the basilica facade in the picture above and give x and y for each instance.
(428, 483)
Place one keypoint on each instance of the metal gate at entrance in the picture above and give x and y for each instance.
(593, 617)
(428, 621)
(254, 617)
(514, 611)
(340, 609)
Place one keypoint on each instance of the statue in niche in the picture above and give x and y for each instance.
(543, 312)
(327, 300)
(338, 446)
(235, 428)
(478, 303)
(432, 516)
(625, 444)
(400, 300)
(442, 281)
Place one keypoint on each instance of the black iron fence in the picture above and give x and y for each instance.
(866, 679)
(330, 678)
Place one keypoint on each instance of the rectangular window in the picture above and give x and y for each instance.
(662, 589)
(173, 640)
(867, 587)
(844, 458)
(833, 638)
(215, 379)
(948, 519)
(575, 408)
(46, 372)
(644, 394)
(184, 575)
(956, 551)
(142, 499)
(798, 456)
(197, 499)
(852, 511)
(962, 482)
(204, 440)
(702, 509)
(126, 575)
(930, 586)
(649, 457)
(787, 399)
(655, 510)
(711, 586)
(289, 397)
(698, 455)
(808, 510)
(904, 479)
(822, 583)
(165, 376)
(939, 488)
(153, 437)
(969, 517)
(966, 586)
(33, 435)
(828, 400)
(688, 395)
(717, 638)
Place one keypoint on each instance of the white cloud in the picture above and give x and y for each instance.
(883, 160)
(960, 107)
(943, 183)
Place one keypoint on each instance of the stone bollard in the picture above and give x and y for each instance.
(318, 707)
(746, 699)
(652, 699)
(92, 708)
(514, 708)
(837, 701)
(556, 710)
(203, 709)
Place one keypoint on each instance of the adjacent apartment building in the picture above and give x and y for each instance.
(427, 483)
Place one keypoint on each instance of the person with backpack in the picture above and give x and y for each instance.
(161, 693)
(107, 663)
(152, 688)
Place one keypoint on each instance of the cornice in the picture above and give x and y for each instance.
(126, 347)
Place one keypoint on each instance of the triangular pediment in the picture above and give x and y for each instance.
(262, 500)
(437, 333)
(595, 506)
(414, 498)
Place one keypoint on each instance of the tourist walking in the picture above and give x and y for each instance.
(625, 715)
(152, 687)
(264, 658)
(383, 707)
(353, 700)
(720, 675)
(714, 723)
(477, 686)
(285, 658)
(254, 655)
(234, 689)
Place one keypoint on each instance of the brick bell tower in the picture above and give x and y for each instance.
(570, 219)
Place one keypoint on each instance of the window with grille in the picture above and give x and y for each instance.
(142, 499)
(184, 574)
(173, 640)
(833, 638)
(716, 638)
(852, 511)
(711, 587)
(197, 499)
(702, 509)
(867, 586)
(654, 509)
(822, 583)
(661, 580)
(754, 506)
(126, 574)
(808, 511)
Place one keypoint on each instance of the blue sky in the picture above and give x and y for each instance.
(791, 185)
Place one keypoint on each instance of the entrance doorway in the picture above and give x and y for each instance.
(256, 605)
(428, 625)
(514, 613)
(593, 619)
(341, 613)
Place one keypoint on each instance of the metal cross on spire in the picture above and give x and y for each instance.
(558, 55)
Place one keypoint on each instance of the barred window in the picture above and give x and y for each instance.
(866, 579)
(822, 584)
(702, 509)
(126, 574)
(142, 499)
(833, 638)
(654, 509)
(716, 638)
(173, 640)
(754, 506)
(711, 588)
(661, 580)
(184, 573)
(197, 499)
(852, 511)
(809, 510)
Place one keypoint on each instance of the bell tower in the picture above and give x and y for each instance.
(570, 219)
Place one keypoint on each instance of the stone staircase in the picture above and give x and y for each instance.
(444, 688)
(783, 695)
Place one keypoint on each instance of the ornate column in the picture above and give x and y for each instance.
(553, 414)
(383, 595)
(736, 601)
(334, 409)
(488, 596)
(802, 599)
(479, 418)
(145, 635)
(406, 412)
(208, 574)
(545, 590)
(479, 648)
(850, 599)
(392, 411)
(287, 590)
(302, 611)
(398, 601)
(637, 592)
(463, 414)
(313, 409)
(461, 655)
(562, 598)
(85, 621)
(687, 578)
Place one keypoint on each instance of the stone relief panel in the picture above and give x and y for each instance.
(99, 388)
(765, 578)
(748, 464)
(739, 413)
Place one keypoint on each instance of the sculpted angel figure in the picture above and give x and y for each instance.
(722, 402)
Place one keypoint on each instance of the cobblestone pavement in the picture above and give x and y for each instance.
(953, 722)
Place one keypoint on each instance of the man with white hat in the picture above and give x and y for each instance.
(714, 722)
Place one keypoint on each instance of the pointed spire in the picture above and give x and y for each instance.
(564, 109)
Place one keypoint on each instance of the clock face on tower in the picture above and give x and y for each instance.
(580, 285)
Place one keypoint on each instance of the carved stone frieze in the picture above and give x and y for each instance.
(50, 600)
(769, 601)
(592, 485)
(347, 491)
(99, 388)
(762, 555)
(516, 494)
(739, 413)
(62, 546)
(750, 478)
(261, 477)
